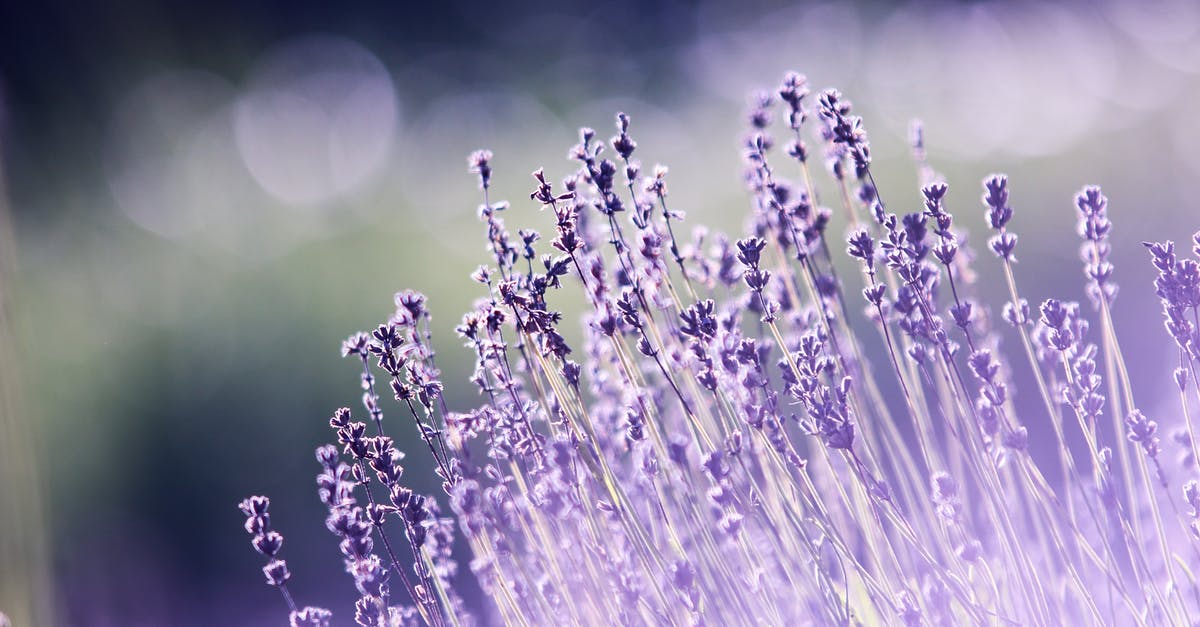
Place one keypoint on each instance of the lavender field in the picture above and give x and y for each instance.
(604, 316)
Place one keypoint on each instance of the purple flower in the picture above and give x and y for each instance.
(311, 617)
(727, 439)
(276, 572)
(480, 163)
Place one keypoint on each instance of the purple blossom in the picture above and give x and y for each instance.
(729, 440)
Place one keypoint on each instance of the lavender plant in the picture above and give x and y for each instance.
(747, 433)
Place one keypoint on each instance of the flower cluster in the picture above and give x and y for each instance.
(736, 438)
(268, 542)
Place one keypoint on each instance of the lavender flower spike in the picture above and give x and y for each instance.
(730, 440)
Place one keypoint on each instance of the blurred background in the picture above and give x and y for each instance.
(198, 201)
